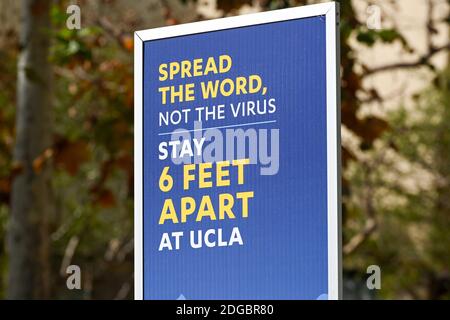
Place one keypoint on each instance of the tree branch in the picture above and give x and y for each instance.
(423, 60)
(359, 238)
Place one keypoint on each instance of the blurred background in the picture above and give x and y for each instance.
(66, 142)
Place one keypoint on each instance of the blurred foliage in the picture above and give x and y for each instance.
(94, 153)
(412, 242)
(369, 37)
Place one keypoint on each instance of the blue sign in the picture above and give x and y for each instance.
(237, 160)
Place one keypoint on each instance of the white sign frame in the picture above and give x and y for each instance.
(331, 12)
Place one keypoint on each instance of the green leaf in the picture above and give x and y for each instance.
(388, 35)
(367, 37)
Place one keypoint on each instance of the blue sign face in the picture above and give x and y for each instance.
(235, 163)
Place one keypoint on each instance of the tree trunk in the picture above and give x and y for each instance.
(31, 201)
